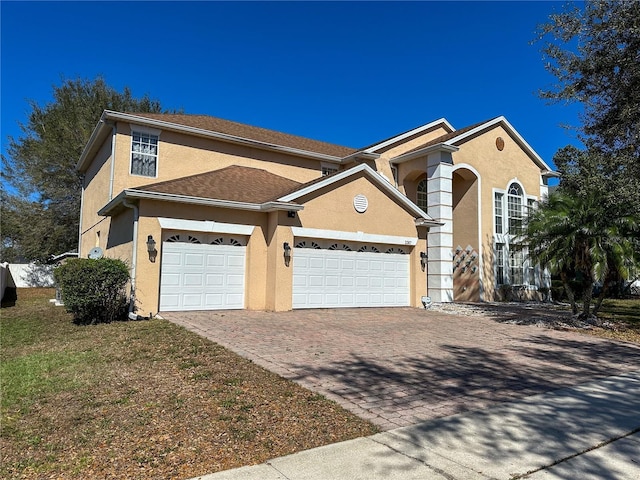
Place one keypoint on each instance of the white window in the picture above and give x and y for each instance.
(144, 154)
(498, 200)
(421, 195)
(328, 169)
(514, 209)
(512, 265)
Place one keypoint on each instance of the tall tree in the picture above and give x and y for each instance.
(594, 52)
(42, 188)
(589, 231)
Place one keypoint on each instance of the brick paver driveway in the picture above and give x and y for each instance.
(399, 366)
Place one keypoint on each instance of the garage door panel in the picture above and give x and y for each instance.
(171, 259)
(201, 276)
(361, 278)
(215, 260)
(234, 280)
(332, 264)
(215, 280)
(171, 279)
(193, 259)
(332, 281)
(317, 263)
(316, 280)
(235, 261)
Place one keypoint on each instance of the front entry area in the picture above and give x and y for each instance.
(200, 273)
(338, 274)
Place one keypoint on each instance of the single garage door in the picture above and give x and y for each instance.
(342, 275)
(201, 276)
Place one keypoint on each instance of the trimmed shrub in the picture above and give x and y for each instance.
(94, 290)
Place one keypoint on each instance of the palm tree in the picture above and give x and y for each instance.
(577, 238)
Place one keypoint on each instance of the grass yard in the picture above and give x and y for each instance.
(625, 317)
(143, 400)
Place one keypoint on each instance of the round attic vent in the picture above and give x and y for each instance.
(360, 203)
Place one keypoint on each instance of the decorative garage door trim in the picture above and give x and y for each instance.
(353, 236)
(333, 275)
(202, 276)
(205, 226)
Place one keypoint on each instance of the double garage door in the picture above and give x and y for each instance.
(208, 273)
(343, 275)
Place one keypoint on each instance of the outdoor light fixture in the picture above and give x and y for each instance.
(287, 253)
(151, 248)
(423, 259)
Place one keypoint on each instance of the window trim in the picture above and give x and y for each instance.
(506, 239)
(144, 131)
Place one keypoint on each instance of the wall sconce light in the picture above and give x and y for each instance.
(151, 248)
(423, 259)
(287, 253)
(291, 214)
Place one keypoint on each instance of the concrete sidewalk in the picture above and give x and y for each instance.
(591, 431)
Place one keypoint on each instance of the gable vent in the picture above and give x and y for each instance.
(360, 203)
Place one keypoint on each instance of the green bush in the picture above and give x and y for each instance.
(93, 290)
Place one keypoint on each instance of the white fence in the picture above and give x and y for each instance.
(29, 275)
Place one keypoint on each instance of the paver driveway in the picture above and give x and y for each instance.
(401, 366)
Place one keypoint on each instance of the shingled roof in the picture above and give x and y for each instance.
(273, 137)
(234, 183)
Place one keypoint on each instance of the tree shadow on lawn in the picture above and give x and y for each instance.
(461, 379)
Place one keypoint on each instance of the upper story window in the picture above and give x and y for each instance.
(144, 154)
(515, 203)
(328, 169)
(512, 264)
(510, 208)
(421, 194)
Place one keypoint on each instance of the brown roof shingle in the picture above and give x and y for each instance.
(234, 183)
(227, 127)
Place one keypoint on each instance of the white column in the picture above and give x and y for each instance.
(440, 239)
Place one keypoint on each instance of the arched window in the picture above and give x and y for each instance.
(421, 195)
(512, 263)
(515, 202)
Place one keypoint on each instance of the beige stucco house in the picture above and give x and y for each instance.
(213, 214)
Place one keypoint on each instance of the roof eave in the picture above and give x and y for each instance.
(99, 134)
(422, 222)
(367, 170)
(201, 132)
(440, 147)
(133, 194)
(362, 155)
(402, 136)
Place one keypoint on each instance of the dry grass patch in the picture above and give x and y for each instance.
(143, 400)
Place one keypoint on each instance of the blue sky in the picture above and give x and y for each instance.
(347, 73)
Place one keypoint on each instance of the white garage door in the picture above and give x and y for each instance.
(201, 276)
(340, 276)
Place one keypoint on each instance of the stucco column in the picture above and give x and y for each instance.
(279, 288)
(440, 239)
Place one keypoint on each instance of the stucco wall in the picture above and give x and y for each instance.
(180, 155)
(497, 169)
(95, 196)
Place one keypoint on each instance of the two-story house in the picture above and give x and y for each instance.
(214, 214)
